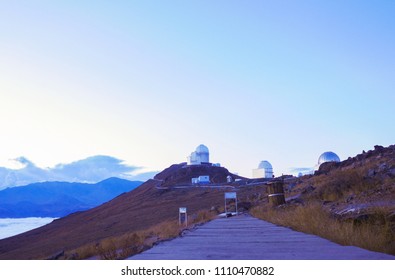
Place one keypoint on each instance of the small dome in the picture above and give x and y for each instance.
(201, 149)
(265, 165)
(327, 157)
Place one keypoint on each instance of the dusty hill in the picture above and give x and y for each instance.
(355, 194)
(136, 210)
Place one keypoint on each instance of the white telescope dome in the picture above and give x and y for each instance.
(264, 164)
(202, 149)
(199, 156)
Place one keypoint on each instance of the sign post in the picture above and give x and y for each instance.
(183, 216)
(228, 196)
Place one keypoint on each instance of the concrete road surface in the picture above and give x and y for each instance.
(246, 238)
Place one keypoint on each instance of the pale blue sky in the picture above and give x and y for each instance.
(148, 81)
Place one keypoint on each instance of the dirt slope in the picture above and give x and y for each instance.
(139, 209)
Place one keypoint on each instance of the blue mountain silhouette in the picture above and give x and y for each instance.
(58, 199)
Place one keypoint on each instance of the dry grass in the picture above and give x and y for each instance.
(129, 244)
(342, 183)
(204, 216)
(376, 233)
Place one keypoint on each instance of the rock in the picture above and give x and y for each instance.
(326, 167)
(309, 189)
(378, 148)
(382, 167)
(371, 172)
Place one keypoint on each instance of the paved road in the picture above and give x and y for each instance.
(247, 238)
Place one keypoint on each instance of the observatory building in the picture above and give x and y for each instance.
(201, 155)
(264, 170)
(328, 157)
(324, 157)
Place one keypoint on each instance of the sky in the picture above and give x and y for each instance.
(146, 82)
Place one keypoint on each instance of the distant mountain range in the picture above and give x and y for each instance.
(21, 171)
(58, 199)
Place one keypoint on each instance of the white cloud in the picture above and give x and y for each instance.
(16, 163)
(11, 227)
(297, 171)
(90, 170)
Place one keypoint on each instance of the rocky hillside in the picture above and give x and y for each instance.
(351, 189)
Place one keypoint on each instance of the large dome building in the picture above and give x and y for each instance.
(324, 157)
(264, 170)
(199, 156)
(328, 157)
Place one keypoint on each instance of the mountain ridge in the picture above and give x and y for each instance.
(58, 199)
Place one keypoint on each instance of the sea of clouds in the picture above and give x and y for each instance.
(10, 227)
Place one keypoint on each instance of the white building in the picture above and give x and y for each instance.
(201, 155)
(324, 157)
(205, 179)
(264, 170)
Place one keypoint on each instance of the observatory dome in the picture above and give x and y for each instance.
(199, 156)
(327, 157)
(264, 164)
(202, 149)
(264, 170)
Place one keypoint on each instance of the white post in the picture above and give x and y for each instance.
(183, 210)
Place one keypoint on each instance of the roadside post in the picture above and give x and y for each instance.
(183, 216)
(230, 196)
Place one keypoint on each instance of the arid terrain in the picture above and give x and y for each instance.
(352, 188)
(357, 191)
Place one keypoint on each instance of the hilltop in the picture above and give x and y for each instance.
(181, 174)
(351, 190)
